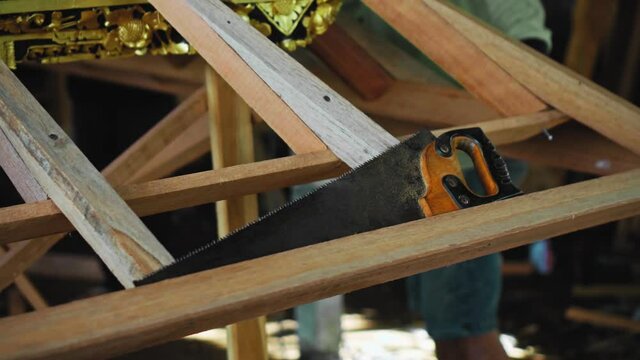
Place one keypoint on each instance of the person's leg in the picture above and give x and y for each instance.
(459, 304)
(480, 347)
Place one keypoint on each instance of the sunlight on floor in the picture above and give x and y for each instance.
(360, 341)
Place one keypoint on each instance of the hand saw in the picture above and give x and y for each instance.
(417, 178)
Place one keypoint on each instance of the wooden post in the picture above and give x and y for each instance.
(232, 144)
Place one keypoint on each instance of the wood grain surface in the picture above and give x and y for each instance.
(140, 317)
(240, 53)
(560, 87)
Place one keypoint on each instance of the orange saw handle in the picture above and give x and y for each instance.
(446, 188)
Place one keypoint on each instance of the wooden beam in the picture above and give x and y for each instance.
(239, 53)
(187, 147)
(349, 60)
(170, 309)
(602, 319)
(563, 89)
(83, 195)
(155, 140)
(244, 77)
(29, 220)
(232, 143)
(457, 55)
(21, 255)
(15, 260)
(28, 291)
(396, 61)
(575, 147)
(42, 218)
(427, 106)
(424, 104)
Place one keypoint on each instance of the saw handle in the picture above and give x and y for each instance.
(447, 190)
(472, 148)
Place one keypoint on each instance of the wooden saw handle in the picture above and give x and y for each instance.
(446, 186)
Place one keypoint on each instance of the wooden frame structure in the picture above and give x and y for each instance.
(328, 135)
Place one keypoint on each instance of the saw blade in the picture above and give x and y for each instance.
(380, 193)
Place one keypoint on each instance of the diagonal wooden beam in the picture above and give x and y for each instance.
(173, 135)
(261, 72)
(251, 87)
(562, 88)
(170, 309)
(41, 218)
(412, 101)
(28, 290)
(120, 170)
(95, 209)
(457, 55)
(187, 146)
(349, 60)
(13, 260)
(30, 293)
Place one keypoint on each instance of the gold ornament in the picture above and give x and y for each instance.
(59, 31)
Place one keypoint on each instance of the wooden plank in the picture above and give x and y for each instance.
(575, 147)
(214, 48)
(563, 89)
(26, 185)
(232, 144)
(246, 339)
(170, 309)
(159, 137)
(29, 220)
(349, 60)
(15, 304)
(400, 64)
(412, 101)
(427, 105)
(602, 319)
(22, 254)
(95, 209)
(185, 148)
(457, 55)
(36, 219)
(28, 291)
(239, 53)
(15, 260)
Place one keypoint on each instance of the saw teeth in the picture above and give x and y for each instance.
(216, 242)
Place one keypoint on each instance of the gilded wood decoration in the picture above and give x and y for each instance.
(67, 30)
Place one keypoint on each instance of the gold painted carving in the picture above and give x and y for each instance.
(120, 29)
(82, 34)
(289, 23)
